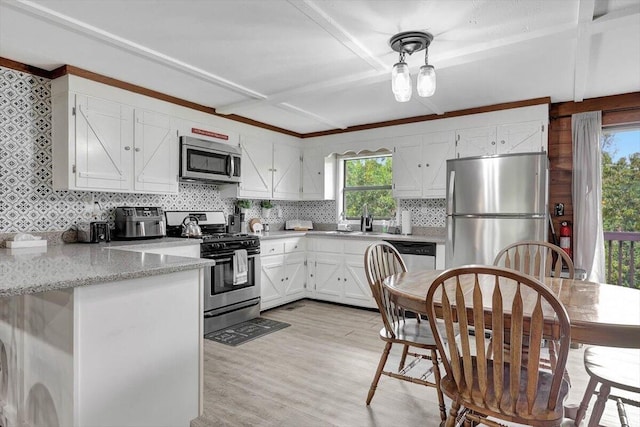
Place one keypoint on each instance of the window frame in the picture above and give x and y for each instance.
(343, 178)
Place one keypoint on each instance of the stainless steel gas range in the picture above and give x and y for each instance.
(232, 286)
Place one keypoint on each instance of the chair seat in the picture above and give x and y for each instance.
(540, 415)
(411, 332)
(617, 367)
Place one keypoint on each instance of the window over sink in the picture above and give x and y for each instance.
(367, 180)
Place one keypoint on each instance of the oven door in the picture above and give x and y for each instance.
(219, 290)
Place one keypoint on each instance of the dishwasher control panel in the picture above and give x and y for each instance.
(413, 247)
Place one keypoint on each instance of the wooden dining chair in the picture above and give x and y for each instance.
(538, 259)
(615, 368)
(506, 387)
(535, 258)
(382, 260)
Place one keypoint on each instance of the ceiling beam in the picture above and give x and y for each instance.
(583, 48)
(41, 12)
(300, 111)
(326, 22)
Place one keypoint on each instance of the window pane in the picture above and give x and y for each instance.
(380, 203)
(372, 171)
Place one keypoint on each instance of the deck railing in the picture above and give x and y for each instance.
(622, 260)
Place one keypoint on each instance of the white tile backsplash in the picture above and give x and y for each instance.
(29, 203)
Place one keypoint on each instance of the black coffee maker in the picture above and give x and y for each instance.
(234, 223)
(366, 220)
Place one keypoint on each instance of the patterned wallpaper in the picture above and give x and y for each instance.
(29, 203)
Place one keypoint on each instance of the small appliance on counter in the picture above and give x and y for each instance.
(234, 223)
(298, 225)
(139, 223)
(94, 232)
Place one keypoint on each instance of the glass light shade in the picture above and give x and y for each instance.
(401, 82)
(426, 80)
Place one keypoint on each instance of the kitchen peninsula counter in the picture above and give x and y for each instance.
(30, 270)
(102, 334)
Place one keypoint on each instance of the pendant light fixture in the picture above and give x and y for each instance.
(409, 42)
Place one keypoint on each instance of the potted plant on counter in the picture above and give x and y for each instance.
(266, 207)
(244, 205)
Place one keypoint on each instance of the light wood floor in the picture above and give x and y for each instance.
(317, 372)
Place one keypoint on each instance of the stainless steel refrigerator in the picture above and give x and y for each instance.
(492, 202)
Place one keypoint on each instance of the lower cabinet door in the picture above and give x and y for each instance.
(356, 287)
(272, 281)
(328, 277)
(295, 276)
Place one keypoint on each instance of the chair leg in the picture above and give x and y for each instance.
(582, 409)
(436, 375)
(598, 408)
(403, 358)
(376, 378)
(453, 414)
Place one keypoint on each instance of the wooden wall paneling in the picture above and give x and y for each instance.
(560, 170)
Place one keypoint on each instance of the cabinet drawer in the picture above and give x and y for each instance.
(333, 246)
(274, 247)
(357, 247)
(295, 245)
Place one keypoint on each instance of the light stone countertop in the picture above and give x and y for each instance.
(69, 265)
(438, 239)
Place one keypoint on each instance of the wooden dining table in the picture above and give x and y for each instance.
(600, 314)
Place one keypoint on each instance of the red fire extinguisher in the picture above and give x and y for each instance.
(565, 238)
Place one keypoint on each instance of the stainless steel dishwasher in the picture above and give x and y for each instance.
(417, 255)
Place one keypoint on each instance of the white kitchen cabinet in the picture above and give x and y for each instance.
(269, 170)
(336, 271)
(506, 138)
(283, 275)
(103, 145)
(155, 153)
(318, 174)
(420, 165)
(287, 161)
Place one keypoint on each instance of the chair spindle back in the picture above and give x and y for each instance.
(511, 305)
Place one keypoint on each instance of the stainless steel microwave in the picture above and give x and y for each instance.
(209, 161)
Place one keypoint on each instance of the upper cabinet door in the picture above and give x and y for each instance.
(155, 153)
(103, 143)
(524, 137)
(476, 142)
(318, 175)
(407, 167)
(312, 174)
(256, 175)
(286, 172)
(438, 147)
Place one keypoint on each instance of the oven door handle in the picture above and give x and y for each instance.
(228, 259)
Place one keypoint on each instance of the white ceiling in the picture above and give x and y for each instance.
(314, 65)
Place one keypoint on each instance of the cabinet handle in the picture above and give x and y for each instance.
(282, 280)
(137, 149)
(319, 173)
(345, 279)
(493, 143)
(287, 278)
(502, 141)
(419, 165)
(427, 165)
(127, 148)
(311, 275)
(338, 279)
(295, 247)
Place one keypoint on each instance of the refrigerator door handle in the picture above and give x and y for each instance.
(451, 241)
(452, 183)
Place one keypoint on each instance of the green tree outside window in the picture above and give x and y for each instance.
(368, 181)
